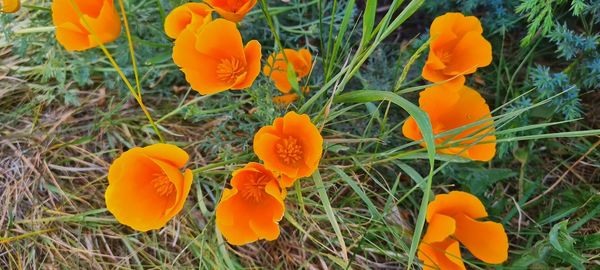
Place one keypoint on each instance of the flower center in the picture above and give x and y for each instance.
(254, 188)
(289, 150)
(230, 69)
(162, 185)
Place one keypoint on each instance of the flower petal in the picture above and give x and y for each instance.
(485, 240)
(471, 52)
(172, 154)
(440, 227)
(454, 203)
(221, 40)
(443, 255)
(253, 55)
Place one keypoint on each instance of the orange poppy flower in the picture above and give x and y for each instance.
(71, 31)
(277, 67)
(192, 15)
(452, 219)
(214, 58)
(146, 187)
(285, 100)
(450, 109)
(10, 6)
(457, 48)
(292, 146)
(252, 208)
(233, 10)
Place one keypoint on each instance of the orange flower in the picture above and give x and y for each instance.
(457, 48)
(146, 187)
(292, 146)
(73, 33)
(233, 10)
(252, 208)
(453, 108)
(192, 15)
(285, 100)
(277, 67)
(214, 58)
(10, 6)
(452, 219)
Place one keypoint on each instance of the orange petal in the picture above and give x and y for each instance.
(285, 100)
(307, 57)
(182, 186)
(485, 240)
(172, 154)
(443, 24)
(484, 150)
(471, 52)
(234, 11)
(221, 40)
(440, 227)
(72, 40)
(184, 51)
(443, 255)
(276, 69)
(410, 129)
(467, 24)
(189, 14)
(10, 6)
(107, 24)
(454, 203)
(253, 55)
(230, 217)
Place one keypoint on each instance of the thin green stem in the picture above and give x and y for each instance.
(117, 68)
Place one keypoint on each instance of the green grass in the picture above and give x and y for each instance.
(65, 116)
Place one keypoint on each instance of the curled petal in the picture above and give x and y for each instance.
(486, 240)
(443, 255)
(454, 203)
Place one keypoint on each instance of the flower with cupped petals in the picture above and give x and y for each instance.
(277, 67)
(214, 58)
(76, 33)
(453, 219)
(10, 6)
(232, 10)
(292, 146)
(451, 108)
(457, 48)
(192, 15)
(252, 208)
(146, 187)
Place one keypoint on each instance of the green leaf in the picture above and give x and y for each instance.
(368, 20)
(562, 242)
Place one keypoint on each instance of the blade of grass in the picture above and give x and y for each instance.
(424, 125)
(117, 68)
(368, 21)
(330, 214)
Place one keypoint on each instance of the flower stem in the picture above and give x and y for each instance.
(112, 61)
